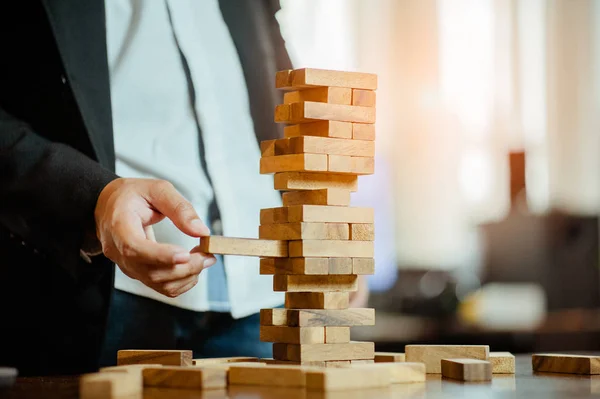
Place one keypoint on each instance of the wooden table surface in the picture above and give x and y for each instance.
(524, 384)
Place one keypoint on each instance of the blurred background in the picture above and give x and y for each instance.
(487, 184)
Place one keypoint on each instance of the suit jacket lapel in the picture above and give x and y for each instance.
(80, 33)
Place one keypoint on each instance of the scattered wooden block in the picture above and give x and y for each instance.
(389, 357)
(569, 364)
(336, 335)
(323, 352)
(299, 79)
(362, 231)
(243, 246)
(339, 265)
(330, 364)
(309, 283)
(329, 214)
(186, 377)
(399, 373)
(310, 266)
(318, 317)
(294, 163)
(109, 385)
(293, 335)
(363, 131)
(163, 357)
(364, 98)
(346, 378)
(331, 146)
(310, 111)
(342, 130)
(223, 360)
(470, 370)
(331, 248)
(271, 148)
(330, 95)
(327, 196)
(432, 355)
(314, 181)
(317, 300)
(363, 266)
(349, 164)
(502, 362)
(129, 368)
(304, 230)
(279, 376)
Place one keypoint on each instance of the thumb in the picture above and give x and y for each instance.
(167, 200)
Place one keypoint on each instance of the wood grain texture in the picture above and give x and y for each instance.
(271, 148)
(305, 230)
(294, 163)
(363, 266)
(569, 364)
(502, 362)
(110, 385)
(299, 79)
(363, 131)
(273, 215)
(323, 352)
(186, 377)
(310, 111)
(364, 98)
(317, 300)
(329, 214)
(362, 231)
(336, 129)
(337, 335)
(317, 317)
(273, 375)
(343, 379)
(223, 360)
(331, 95)
(314, 181)
(308, 283)
(332, 196)
(305, 364)
(432, 355)
(243, 246)
(351, 165)
(163, 357)
(331, 249)
(340, 265)
(389, 357)
(470, 370)
(399, 372)
(308, 266)
(293, 335)
(331, 146)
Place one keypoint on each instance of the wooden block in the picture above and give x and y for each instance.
(364, 98)
(340, 265)
(329, 214)
(328, 196)
(362, 361)
(502, 362)
(331, 249)
(278, 376)
(331, 95)
(293, 335)
(399, 373)
(389, 357)
(323, 352)
(273, 215)
(363, 131)
(331, 146)
(349, 164)
(308, 283)
(569, 364)
(317, 300)
(362, 231)
(311, 111)
(317, 317)
(467, 369)
(303, 230)
(337, 335)
(129, 368)
(363, 266)
(314, 266)
(271, 148)
(330, 364)
(337, 129)
(185, 377)
(109, 385)
(243, 246)
(223, 360)
(346, 379)
(294, 163)
(306, 78)
(314, 181)
(432, 355)
(163, 357)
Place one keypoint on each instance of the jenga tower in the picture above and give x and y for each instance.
(329, 142)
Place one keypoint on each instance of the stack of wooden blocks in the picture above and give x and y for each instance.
(328, 143)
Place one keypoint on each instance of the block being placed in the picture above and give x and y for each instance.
(305, 230)
(569, 364)
(317, 300)
(363, 131)
(317, 317)
(352, 378)
(336, 129)
(294, 163)
(306, 78)
(293, 335)
(315, 181)
(308, 283)
(223, 360)
(323, 352)
(329, 214)
(470, 370)
(243, 246)
(362, 231)
(273, 375)
(109, 385)
(389, 357)
(331, 249)
(330, 146)
(331, 95)
(432, 355)
(337, 335)
(364, 98)
(309, 266)
(185, 377)
(162, 357)
(502, 362)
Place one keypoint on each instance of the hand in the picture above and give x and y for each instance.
(360, 297)
(125, 212)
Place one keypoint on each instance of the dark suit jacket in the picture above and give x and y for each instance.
(57, 154)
